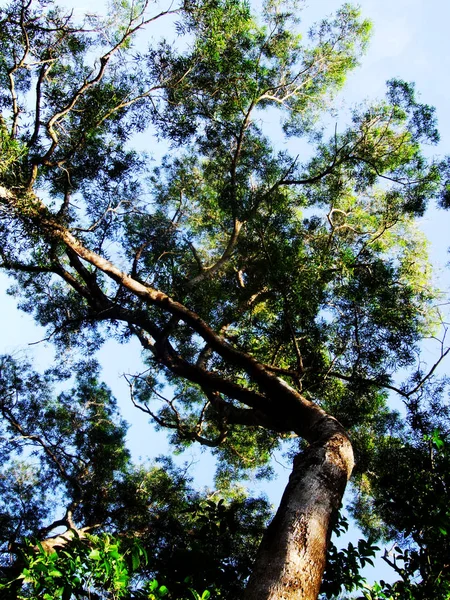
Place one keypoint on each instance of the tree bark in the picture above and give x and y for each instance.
(291, 559)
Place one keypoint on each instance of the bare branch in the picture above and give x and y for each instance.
(401, 391)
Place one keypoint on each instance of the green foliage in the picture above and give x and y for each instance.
(89, 565)
(75, 461)
(155, 590)
(76, 439)
(216, 554)
(11, 152)
(412, 504)
(422, 519)
(240, 268)
(349, 282)
(342, 572)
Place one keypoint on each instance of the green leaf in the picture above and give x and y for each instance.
(54, 573)
(95, 554)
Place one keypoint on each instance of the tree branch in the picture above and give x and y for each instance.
(208, 272)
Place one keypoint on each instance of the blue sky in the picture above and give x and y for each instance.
(410, 41)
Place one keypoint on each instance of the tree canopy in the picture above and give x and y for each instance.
(276, 294)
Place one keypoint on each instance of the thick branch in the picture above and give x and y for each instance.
(62, 539)
(208, 272)
(177, 365)
(306, 416)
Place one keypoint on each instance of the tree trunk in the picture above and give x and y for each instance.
(291, 559)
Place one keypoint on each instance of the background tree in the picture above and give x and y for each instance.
(404, 508)
(419, 524)
(276, 295)
(70, 496)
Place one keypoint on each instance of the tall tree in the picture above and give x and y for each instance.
(277, 295)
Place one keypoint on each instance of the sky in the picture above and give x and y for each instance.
(410, 41)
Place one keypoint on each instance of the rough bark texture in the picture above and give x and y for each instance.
(291, 559)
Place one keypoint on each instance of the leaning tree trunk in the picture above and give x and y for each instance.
(291, 559)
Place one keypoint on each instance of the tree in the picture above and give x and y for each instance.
(419, 523)
(121, 525)
(276, 295)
